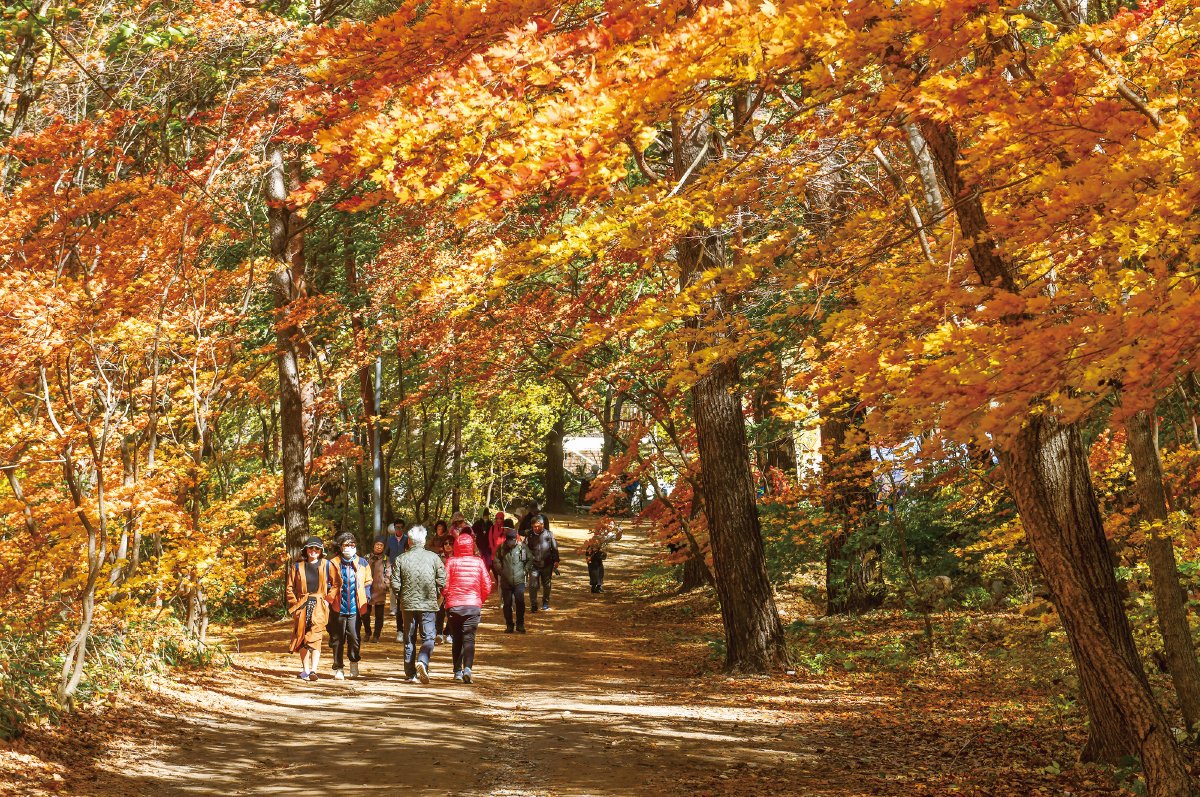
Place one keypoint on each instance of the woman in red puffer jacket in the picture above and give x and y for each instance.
(468, 585)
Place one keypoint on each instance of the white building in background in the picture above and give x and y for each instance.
(582, 455)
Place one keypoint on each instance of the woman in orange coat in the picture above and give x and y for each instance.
(312, 589)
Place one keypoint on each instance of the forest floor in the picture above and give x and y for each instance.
(613, 694)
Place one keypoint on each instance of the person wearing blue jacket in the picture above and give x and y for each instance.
(354, 599)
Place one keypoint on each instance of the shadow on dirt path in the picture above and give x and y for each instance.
(586, 703)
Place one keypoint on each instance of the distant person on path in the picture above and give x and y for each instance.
(458, 523)
(511, 566)
(481, 531)
(543, 550)
(595, 550)
(312, 589)
(443, 635)
(468, 585)
(378, 603)
(396, 544)
(533, 511)
(496, 532)
(354, 597)
(418, 579)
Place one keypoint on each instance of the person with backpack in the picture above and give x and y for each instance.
(418, 580)
(312, 587)
(468, 585)
(354, 599)
(543, 552)
(511, 566)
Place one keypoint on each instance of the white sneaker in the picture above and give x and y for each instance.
(399, 636)
(338, 675)
(354, 669)
(422, 672)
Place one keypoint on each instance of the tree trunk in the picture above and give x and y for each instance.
(853, 571)
(1169, 601)
(1047, 473)
(556, 482)
(753, 632)
(287, 283)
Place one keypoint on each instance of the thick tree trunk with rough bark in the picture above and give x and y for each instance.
(287, 285)
(1047, 472)
(1169, 603)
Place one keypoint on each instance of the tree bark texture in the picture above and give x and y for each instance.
(1047, 473)
(853, 570)
(1169, 603)
(287, 284)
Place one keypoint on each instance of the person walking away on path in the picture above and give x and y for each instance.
(354, 599)
(396, 544)
(543, 550)
(312, 587)
(418, 580)
(511, 565)
(378, 603)
(595, 551)
(468, 585)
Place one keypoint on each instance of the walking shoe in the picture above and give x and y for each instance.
(354, 669)
(466, 675)
(520, 629)
(599, 588)
(508, 630)
(303, 676)
(458, 675)
(375, 638)
(312, 676)
(399, 636)
(422, 672)
(412, 679)
(533, 608)
(338, 675)
(545, 607)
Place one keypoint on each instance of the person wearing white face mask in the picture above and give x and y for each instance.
(354, 598)
(313, 584)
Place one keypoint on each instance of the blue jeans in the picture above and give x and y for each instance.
(414, 623)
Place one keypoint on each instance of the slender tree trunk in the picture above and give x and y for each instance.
(1169, 603)
(556, 482)
(1047, 472)
(853, 571)
(287, 284)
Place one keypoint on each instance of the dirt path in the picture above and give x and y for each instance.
(590, 702)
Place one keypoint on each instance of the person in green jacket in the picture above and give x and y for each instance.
(418, 578)
(512, 565)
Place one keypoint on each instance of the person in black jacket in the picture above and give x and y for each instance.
(543, 550)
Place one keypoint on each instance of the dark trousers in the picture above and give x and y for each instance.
(542, 577)
(440, 621)
(463, 622)
(364, 621)
(343, 635)
(417, 623)
(510, 596)
(399, 618)
(596, 573)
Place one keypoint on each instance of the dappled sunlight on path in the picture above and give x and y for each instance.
(586, 703)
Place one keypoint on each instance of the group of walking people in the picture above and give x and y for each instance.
(437, 585)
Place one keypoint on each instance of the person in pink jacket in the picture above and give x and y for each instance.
(468, 585)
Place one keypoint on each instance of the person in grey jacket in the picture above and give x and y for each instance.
(512, 563)
(418, 579)
(543, 553)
